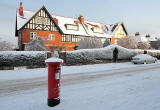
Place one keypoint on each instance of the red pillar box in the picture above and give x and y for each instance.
(54, 73)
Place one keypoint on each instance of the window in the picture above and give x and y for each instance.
(39, 20)
(98, 30)
(33, 35)
(47, 21)
(51, 37)
(72, 27)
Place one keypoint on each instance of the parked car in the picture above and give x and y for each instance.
(143, 59)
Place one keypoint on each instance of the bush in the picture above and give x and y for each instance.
(106, 43)
(6, 46)
(144, 45)
(87, 56)
(128, 42)
(90, 43)
(22, 58)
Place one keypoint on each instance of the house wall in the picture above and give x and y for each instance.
(114, 40)
(120, 33)
(51, 44)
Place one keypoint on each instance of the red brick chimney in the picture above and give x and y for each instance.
(81, 19)
(21, 9)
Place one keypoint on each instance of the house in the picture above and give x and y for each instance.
(154, 42)
(144, 38)
(116, 31)
(61, 33)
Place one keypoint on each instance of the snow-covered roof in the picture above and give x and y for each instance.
(142, 38)
(111, 29)
(85, 29)
(152, 39)
(22, 20)
(62, 21)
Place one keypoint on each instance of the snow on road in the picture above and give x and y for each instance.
(21, 73)
(129, 91)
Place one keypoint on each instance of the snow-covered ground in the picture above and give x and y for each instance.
(22, 73)
(133, 90)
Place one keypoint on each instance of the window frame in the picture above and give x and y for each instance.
(96, 28)
(34, 34)
(66, 25)
(51, 38)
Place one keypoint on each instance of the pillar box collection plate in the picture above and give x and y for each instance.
(54, 76)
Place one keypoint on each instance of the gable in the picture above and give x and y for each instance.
(41, 21)
(120, 32)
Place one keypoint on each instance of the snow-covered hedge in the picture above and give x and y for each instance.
(22, 58)
(85, 56)
(99, 55)
(154, 53)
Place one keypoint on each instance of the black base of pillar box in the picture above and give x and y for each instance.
(53, 102)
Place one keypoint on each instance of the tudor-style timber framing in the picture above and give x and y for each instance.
(59, 32)
(44, 15)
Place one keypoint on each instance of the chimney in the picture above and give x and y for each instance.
(148, 36)
(81, 19)
(137, 34)
(21, 9)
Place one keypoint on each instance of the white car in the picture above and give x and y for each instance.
(143, 59)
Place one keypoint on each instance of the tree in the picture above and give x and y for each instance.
(128, 42)
(90, 42)
(106, 43)
(37, 44)
(6, 46)
(144, 45)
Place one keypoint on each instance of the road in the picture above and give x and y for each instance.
(14, 86)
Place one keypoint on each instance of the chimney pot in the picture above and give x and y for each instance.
(21, 9)
(81, 18)
(137, 34)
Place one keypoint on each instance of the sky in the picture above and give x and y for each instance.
(138, 15)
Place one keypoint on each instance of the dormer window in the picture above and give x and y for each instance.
(97, 30)
(71, 27)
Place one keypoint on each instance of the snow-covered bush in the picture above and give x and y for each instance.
(89, 43)
(22, 58)
(144, 45)
(86, 56)
(106, 43)
(128, 42)
(6, 46)
(154, 53)
(37, 44)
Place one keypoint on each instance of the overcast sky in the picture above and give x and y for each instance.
(138, 15)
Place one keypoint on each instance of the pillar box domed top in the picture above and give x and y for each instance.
(49, 60)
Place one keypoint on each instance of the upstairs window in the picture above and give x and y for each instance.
(97, 30)
(39, 20)
(47, 21)
(33, 35)
(72, 27)
(51, 37)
